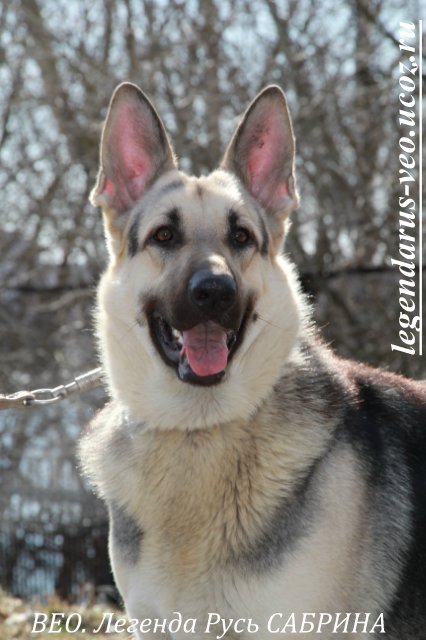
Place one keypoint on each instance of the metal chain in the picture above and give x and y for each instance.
(41, 397)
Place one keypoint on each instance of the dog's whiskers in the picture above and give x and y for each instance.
(272, 324)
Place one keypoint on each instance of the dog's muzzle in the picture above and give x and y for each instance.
(205, 331)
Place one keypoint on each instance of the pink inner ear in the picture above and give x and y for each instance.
(282, 189)
(260, 160)
(265, 158)
(109, 188)
(129, 162)
(136, 177)
(132, 133)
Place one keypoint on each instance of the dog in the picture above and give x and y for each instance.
(256, 483)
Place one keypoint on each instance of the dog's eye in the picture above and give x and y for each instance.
(163, 235)
(241, 237)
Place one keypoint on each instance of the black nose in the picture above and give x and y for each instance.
(212, 293)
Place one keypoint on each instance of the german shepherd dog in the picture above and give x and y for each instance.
(257, 485)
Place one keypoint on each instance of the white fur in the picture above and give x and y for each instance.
(149, 389)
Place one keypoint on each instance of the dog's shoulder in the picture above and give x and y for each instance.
(378, 413)
(386, 403)
(104, 444)
(367, 396)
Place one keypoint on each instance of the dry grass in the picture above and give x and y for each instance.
(17, 619)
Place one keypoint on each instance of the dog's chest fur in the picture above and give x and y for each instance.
(196, 515)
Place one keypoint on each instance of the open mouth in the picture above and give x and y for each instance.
(201, 354)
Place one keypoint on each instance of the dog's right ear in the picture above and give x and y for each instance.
(135, 150)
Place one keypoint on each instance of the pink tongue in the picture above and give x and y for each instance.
(205, 348)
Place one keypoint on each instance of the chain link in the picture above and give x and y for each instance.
(42, 397)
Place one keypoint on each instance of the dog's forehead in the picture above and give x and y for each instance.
(197, 199)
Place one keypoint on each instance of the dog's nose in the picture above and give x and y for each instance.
(212, 292)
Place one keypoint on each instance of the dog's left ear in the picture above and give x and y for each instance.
(261, 153)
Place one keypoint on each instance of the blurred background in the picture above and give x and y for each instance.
(201, 61)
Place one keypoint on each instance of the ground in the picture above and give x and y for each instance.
(17, 619)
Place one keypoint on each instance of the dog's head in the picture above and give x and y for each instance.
(197, 311)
